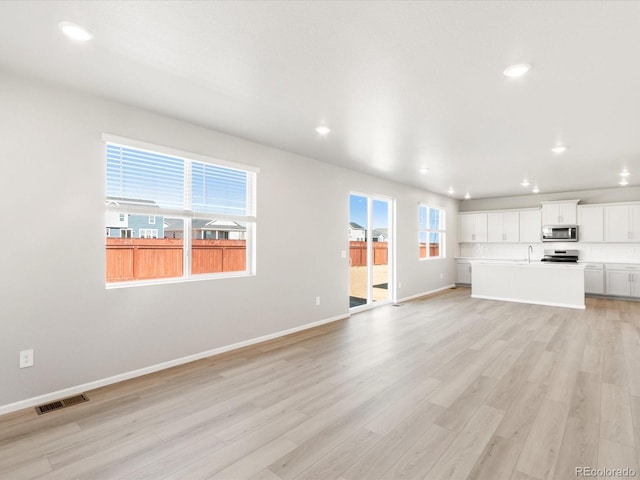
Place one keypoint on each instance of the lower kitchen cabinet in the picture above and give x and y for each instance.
(594, 279)
(464, 273)
(623, 281)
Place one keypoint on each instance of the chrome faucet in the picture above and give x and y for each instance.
(529, 252)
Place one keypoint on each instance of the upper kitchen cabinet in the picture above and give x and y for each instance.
(503, 227)
(591, 223)
(562, 212)
(472, 227)
(530, 225)
(622, 223)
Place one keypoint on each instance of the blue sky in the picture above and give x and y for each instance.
(358, 212)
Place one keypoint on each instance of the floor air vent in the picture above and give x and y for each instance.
(58, 404)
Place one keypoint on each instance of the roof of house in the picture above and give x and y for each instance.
(199, 224)
(377, 232)
(355, 226)
(130, 201)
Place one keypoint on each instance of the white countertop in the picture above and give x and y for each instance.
(584, 262)
(525, 263)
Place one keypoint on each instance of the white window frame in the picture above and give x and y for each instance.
(152, 220)
(148, 233)
(442, 231)
(130, 230)
(188, 215)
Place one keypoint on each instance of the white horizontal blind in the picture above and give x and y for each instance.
(150, 179)
(219, 190)
(134, 174)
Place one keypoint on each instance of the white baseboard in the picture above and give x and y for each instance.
(67, 392)
(406, 299)
(533, 302)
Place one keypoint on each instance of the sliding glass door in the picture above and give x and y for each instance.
(370, 250)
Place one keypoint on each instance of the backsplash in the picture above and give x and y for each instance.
(595, 252)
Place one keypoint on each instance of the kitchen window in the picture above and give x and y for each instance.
(200, 213)
(431, 232)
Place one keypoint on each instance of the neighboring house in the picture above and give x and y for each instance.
(128, 225)
(381, 235)
(356, 233)
(207, 230)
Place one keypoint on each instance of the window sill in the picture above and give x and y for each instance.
(432, 258)
(164, 281)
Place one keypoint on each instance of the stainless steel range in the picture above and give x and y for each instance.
(566, 256)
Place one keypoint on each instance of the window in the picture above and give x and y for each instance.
(121, 217)
(432, 232)
(148, 233)
(202, 212)
(126, 233)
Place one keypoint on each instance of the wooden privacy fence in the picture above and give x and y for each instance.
(358, 253)
(149, 258)
(434, 250)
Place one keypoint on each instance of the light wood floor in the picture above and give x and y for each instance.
(445, 387)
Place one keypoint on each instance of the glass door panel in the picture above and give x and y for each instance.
(380, 245)
(358, 252)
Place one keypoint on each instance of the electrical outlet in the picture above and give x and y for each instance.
(343, 254)
(317, 300)
(26, 358)
(399, 284)
(441, 276)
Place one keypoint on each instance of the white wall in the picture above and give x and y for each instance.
(605, 195)
(52, 247)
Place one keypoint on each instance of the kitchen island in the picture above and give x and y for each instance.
(541, 283)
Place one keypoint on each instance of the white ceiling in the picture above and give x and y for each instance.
(401, 84)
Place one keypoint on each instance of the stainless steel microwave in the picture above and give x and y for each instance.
(560, 233)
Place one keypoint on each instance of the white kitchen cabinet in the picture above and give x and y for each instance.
(503, 227)
(464, 272)
(623, 280)
(530, 226)
(560, 213)
(622, 223)
(591, 223)
(472, 227)
(594, 279)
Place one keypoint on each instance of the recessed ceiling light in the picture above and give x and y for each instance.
(322, 130)
(559, 149)
(75, 31)
(623, 182)
(424, 170)
(525, 183)
(467, 196)
(450, 191)
(517, 70)
(535, 190)
(624, 173)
